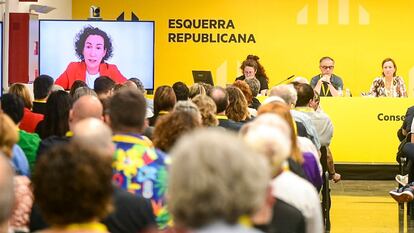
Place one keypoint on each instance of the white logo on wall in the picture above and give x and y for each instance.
(323, 13)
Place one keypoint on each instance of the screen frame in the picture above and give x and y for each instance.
(149, 89)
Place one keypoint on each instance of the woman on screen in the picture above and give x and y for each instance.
(93, 47)
(253, 69)
(389, 84)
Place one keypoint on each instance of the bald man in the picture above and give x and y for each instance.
(85, 107)
(94, 133)
(7, 192)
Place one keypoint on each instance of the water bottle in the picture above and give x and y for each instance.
(347, 92)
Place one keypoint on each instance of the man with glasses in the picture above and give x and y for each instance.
(327, 83)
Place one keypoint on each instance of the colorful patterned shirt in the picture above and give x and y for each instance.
(397, 88)
(142, 170)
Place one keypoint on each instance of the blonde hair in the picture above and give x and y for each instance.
(22, 91)
(207, 109)
(196, 89)
(214, 176)
(8, 134)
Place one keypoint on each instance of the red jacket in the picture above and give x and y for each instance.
(77, 71)
(30, 120)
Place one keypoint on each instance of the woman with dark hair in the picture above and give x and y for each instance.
(251, 68)
(93, 47)
(164, 101)
(56, 123)
(389, 84)
(76, 85)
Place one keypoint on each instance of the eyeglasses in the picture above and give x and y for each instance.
(327, 67)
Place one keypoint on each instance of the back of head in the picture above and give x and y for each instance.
(123, 117)
(169, 128)
(72, 184)
(8, 135)
(207, 108)
(220, 98)
(181, 91)
(103, 85)
(85, 107)
(21, 90)
(272, 140)
(138, 83)
(77, 84)
(196, 89)
(94, 133)
(238, 107)
(7, 190)
(13, 106)
(56, 118)
(305, 94)
(244, 87)
(187, 106)
(42, 86)
(164, 99)
(285, 91)
(254, 85)
(202, 187)
(81, 91)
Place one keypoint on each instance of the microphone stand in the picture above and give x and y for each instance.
(285, 80)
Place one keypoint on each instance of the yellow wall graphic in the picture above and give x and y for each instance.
(290, 37)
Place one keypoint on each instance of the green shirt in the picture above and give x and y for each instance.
(29, 142)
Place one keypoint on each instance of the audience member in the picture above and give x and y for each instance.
(6, 194)
(171, 127)
(131, 213)
(221, 99)
(84, 174)
(207, 109)
(181, 91)
(30, 119)
(104, 87)
(42, 87)
(137, 166)
(76, 85)
(150, 102)
(13, 106)
(81, 91)
(326, 83)
(254, 86)
(164, 101)
(237, 109)
(56, 117)
(196, 89)
(202, 193)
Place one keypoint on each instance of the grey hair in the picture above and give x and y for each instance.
(81, 91)
(285, 91)
(7, 189)
(187, 106)
(254, 85)
(269, 134)
(215, 176)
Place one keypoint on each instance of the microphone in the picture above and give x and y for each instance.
(286, 79)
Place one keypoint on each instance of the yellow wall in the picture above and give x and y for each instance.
(290, 36)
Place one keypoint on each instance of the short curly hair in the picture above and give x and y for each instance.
(171, 126)
(72, 184)
(237, 110)
(81, 37)
(207, 108)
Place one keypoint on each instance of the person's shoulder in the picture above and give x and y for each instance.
(241, 78)
(399, 78)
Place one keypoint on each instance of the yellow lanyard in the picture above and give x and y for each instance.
(131, 139)
(163, 112)
(91, 226)
(325, 91)
(221, 117)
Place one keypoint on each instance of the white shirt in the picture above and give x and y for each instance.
(301, 194)
(90, 79)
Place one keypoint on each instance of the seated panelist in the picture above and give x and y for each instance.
(389, 84)
(326, 83)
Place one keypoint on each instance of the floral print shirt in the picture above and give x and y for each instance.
(397, 88)
(142, 170)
